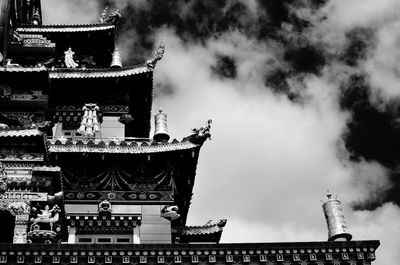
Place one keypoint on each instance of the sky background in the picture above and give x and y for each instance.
(304, 97)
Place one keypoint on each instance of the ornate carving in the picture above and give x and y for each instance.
(25, 120)
(5, 91)
(3, 178)
(170, 212)
(103, 15)
(201, 134)
(105, 208)
(69, 60)
(158, 55)
(47, 216)
(20, 228)
(19, 208)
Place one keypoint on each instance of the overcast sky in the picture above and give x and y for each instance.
(304, 98)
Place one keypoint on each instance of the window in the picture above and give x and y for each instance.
(104, 240)
(85, 240)
(123, 240)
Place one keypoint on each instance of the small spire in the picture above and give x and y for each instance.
(103, 15)
(160, 131)
(336, 223)
(36, 18)
(116, 59)
(329, 195)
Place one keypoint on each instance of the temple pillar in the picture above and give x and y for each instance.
(71, 235)
(136, 236)
(21, 212)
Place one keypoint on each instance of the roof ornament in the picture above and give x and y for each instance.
(103, 15)
(160, 131)
(69, 60)
(104, 208)
(201, 134)
(337, 227)
(116, 59)
(36, 18)
(112, 18)
(158, 55)
(90, 123)
(170, 212)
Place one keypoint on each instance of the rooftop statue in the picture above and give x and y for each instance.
(69, 60)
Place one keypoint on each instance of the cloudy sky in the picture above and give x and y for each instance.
(304, 97)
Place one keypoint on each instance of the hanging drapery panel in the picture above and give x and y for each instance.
(143, 182)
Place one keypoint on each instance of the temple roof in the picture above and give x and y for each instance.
(135, 147)
(64, 28)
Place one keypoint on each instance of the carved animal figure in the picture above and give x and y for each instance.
(170, 212)
(46, 216)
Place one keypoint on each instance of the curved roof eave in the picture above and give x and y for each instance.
(65, 28)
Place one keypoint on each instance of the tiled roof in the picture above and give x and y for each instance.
(143, 147)
(98, 72)
(23, 69)
(65, 28)
(209, 228)
(20, 133)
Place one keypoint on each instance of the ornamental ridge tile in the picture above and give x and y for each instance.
(65, 28)
(46, 168)
(205, 229)
(98, 72)
(125, 148)
(20, 133)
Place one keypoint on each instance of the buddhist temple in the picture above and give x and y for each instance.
(82, 181)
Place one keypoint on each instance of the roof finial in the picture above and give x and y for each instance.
(337, 227)
(116, 59)
(36, 18)
(69, 60)
(160, 131)
(103, 15)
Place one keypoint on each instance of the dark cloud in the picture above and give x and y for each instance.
(308, 59)
(359, 42)
(225, 67)
(372, 133)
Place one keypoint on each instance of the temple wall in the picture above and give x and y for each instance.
(154, 228)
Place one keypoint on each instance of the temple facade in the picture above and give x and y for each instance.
(82, 181)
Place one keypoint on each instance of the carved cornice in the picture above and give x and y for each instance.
(353, 252)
